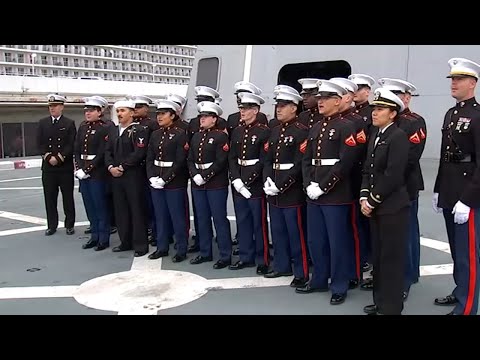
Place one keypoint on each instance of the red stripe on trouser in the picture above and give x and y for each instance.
(472, 260)
(187, 215)
(356, 240)
(266, 257)
(302, 243)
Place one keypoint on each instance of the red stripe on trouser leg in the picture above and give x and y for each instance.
(266, 258)
(472, 261)
(302, 243)
(356, 240)
(187, 215)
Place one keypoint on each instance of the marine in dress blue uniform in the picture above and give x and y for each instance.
(246, 158)
(168, 177)
(208, 169)
(282, 176)
(89, 155)
(457, 189)
(329, 158)
(310, 116)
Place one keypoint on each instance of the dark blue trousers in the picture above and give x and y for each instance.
(331, 246)
(195, 222)
(252, 230)
(171, 207)
(94, 194)
(213, 203)
(464, 247)
(360, 241)
(412, 268)
(289, 240)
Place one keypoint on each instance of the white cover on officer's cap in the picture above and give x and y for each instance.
(245, 86)
(124, 104)
(140, 99)
(309, 83)
(284, 88)
(206, 91)
(168, 104)
(208, 108)
(102, 100)
(288, 95)
(178, 99)
(386, 98)
(330, 87)
(397, 85)
(362, 79)
(463, 67)
(347, 84)
(92, 101)
(248, 98)
(56, 99)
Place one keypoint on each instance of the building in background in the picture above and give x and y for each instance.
(28, 73)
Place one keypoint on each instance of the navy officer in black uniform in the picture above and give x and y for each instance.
(384, 199)
(310, 116)
(457, 187)
(55, 138)
(168, 176)
(89, 153)
(208, 168)
(282, 175)
(247, 153)
(125, 160)
(327, 165)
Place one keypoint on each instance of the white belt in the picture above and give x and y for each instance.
(324, 162)
(87, 157)
(282, 166)
(203, 166)
(163, 163)
(248, 162)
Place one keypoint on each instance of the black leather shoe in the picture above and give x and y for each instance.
(298, 282)
(262, 269)
(193, 249)
(89, 244)
(179, 258)
(446, 301)
(49, 232)
(367, 285)
(140, 253)
(240, 265)
(70, 231)
(200, 259)
(338, 299)
(120, 249)
(370, 309)
(88, 230)
(157, 254)
(352, 284)
(276, 274)
(113, 229)
(220, 264)
(307, 289)
(100, 247)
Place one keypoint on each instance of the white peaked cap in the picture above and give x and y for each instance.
(386, 98)
(56, 99)
(178, 99)
(140, 99)
(168, 104)
(330, 88)
(245, 86)
(209, 108)
(309, 83)
(206, 91)
(102, 99)
(249, 98)
(463, 67)
(362, 79)
(93, 101)
(347, 84)
(124, 104)
(397, 85)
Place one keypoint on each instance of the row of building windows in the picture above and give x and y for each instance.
(112, 51)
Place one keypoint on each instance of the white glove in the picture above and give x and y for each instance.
(153, 180)
(80, 174)
(199, 180)
(435, 204)
(246, 194)
(160, 182)
(461, 213)
(238, 184)
(314, 191)
(270, 188)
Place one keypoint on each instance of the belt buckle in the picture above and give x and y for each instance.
(276, 166)
(318, 162)
(243, 162)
